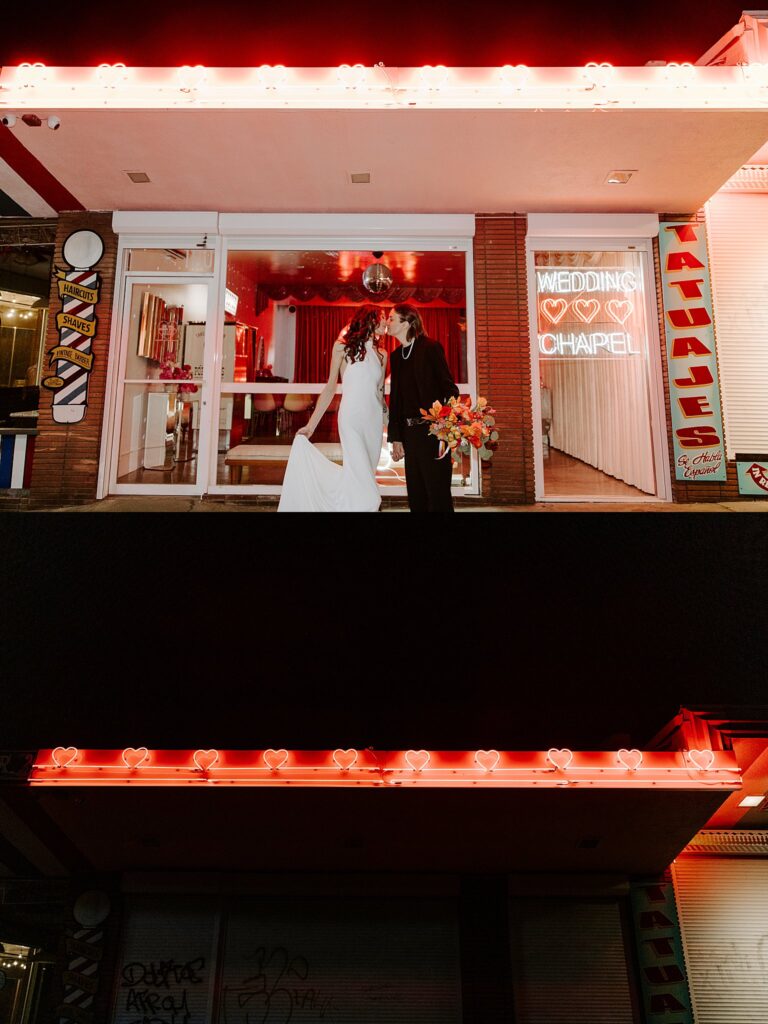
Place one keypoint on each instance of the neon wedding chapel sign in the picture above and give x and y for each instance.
(694, 391)
(580, 314)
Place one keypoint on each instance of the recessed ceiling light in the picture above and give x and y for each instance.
(363, 178)
(751, 801)
(619, 177)
(138, 177)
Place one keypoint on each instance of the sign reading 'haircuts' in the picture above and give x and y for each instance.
(694, 391)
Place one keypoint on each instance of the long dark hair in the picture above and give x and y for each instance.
(415, 325)
(361, 328)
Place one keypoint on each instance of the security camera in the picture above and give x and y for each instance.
(54, 122)
(378, 254)
(291, 309)
(9, 120)
(32, 120)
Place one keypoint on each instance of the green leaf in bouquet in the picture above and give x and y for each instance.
(484, 453)
(494, 435)
(489, 421)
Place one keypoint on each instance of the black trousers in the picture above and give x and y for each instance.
(428, 478)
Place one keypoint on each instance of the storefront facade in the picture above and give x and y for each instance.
(616, 375)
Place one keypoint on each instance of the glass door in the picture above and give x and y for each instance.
(162, 397)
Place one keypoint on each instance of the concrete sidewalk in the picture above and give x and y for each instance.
(171, 504)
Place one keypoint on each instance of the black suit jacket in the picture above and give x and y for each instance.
(433, 380)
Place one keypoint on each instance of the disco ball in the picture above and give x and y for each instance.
(377, 278)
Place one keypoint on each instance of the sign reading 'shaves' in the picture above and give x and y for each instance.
(694, 391)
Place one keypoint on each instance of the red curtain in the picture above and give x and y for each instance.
(318, 327)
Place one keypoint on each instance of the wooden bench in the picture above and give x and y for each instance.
(257, 454)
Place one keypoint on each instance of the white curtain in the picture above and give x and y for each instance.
(600, 401)
(600, 415)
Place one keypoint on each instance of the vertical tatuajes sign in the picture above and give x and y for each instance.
(694, 391)
(77, 321)
(663, 976)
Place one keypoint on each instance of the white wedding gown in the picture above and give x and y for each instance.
(313, 483)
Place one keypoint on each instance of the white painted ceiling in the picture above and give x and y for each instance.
(420, 161)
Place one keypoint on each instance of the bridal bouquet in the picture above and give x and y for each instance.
(460, 427)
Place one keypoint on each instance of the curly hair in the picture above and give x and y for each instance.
(360, 328)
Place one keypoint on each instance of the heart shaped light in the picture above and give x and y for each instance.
(417, 759)
(345, 759)
(63, 756)
(560, 758)
(487, 759)
(275, 759)
(630, 759)
(702, 759)
(134, 756)
(205, 759)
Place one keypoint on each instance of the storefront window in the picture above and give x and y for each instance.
(285, 311)
(162, 383)
(172, 261)
(593, 357)
(24, 295)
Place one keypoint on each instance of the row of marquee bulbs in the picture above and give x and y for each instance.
(194, 77)
(416, 760)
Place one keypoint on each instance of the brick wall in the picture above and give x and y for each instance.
(682, 490)
(503, 353)
(66, 459)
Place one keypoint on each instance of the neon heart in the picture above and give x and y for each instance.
(554, 309)
(134, 756)
(487, 759)
(345, 759)
(586, 309)
(275, 759)
(417, 759)
(702, 759)
(631, 759)
(205, 759)
(619, 310)
(62, 756)
(560, 758)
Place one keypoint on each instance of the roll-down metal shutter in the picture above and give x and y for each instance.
(167, 964)
(723, 909)
(737, 226)
(351, 961)
(569, 962)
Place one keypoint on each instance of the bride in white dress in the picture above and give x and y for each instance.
(313, 483)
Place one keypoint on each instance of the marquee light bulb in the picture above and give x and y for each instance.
(352, 76)
(111, 75)
(433, 76)
(680, 75)
(514, 76)
(30, 75)
(599, 74)
(272, 76)
(192, 77)
(755, 74)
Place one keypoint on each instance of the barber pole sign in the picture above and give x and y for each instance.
(77, 322)
(694, 391)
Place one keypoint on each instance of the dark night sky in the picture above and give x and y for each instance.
(400, 34)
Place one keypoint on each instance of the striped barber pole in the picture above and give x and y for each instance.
(16, 454)
(81, 979)
(71, 398)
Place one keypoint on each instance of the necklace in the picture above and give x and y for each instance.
(410, 349)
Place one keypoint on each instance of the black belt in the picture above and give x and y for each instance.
(413, 422)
